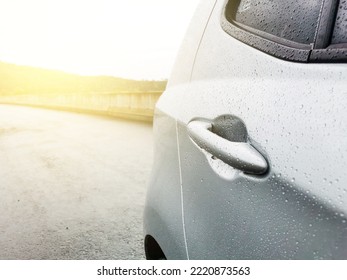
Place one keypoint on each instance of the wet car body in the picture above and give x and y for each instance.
(251, 137)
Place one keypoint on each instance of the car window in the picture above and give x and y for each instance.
(340, 30)
(294, 20)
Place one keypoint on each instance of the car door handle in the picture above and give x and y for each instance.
(239, 155)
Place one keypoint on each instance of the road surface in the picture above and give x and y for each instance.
(72, 186)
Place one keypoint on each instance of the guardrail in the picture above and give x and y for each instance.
(131, 105)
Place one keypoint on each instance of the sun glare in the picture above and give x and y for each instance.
(133, 38)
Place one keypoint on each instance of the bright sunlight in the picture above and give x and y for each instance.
(135, 39)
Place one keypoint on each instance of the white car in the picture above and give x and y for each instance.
(251, 136)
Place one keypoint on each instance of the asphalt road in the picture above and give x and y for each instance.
(72, 186)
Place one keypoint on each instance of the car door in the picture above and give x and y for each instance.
(262, 135)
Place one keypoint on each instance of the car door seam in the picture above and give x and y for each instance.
(201, 38)
(181, 188)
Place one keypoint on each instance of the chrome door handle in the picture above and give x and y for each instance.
(239, 155)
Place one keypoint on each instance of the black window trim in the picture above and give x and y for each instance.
(323, 51)
(325, 23)
(318, 51)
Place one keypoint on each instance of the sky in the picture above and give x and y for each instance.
(136, 39)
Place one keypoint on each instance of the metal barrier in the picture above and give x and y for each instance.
(131, 105)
